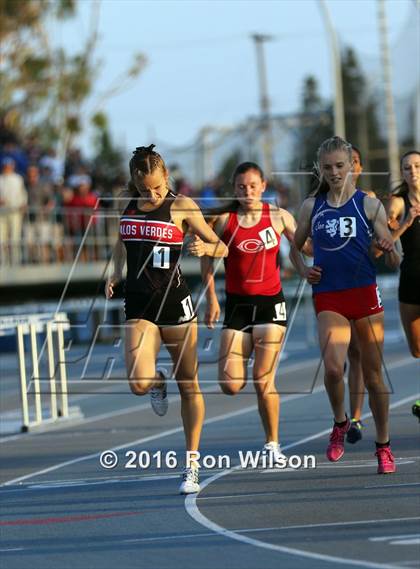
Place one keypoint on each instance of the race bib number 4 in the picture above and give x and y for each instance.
(280, 309)
(268, 237)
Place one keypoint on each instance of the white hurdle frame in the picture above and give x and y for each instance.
(31, 329)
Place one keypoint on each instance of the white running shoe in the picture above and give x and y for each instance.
(274, 449)
(159, 398)
(190, 481)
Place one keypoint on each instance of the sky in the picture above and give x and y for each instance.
(201, 66)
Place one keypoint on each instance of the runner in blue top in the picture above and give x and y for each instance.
(341, 221)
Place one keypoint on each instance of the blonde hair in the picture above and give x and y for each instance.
(333, 144)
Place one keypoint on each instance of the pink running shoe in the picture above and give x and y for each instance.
(386, 463)
(335, 449)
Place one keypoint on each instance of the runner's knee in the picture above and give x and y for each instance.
(139, 388)
(333, 373)
(231, 387)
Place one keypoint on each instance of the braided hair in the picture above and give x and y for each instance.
(143, 162)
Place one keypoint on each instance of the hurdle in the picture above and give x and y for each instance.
(53, 327)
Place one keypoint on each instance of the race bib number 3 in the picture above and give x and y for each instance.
(268, 237)
(347, 227)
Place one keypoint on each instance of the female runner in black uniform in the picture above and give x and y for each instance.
(404, 218)
(158, 304)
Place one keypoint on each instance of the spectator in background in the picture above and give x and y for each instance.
(32, 149)
(56, 166)
(11, 150)
(81, 207)
(277, 194)
(79, 176)
(39, 231)
(64, 197)
(183, 187)
(46, 175)
(13, 200)
(208, 196)
(74, 162)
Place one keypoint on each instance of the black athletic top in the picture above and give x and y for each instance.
(410, 241)
(153, 243)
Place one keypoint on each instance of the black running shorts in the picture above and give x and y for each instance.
(409, 289)
(163, 310)
(244, 312)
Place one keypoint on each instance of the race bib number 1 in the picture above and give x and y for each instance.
(161, 257)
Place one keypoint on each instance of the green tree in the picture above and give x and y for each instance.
(314, 125)
(108, 163)
(226, 171)
(361, 118)
(44, 89)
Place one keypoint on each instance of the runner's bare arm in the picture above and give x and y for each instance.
(312, 274)
(205, 242)
(285, 223)
(375, 212)
(212, 314)
(396, 213)
(119, 257)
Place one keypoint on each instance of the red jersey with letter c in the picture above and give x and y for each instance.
(253, 265)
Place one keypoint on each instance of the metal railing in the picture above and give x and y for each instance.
(48, 236)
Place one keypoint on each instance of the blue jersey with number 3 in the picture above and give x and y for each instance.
(341, 241)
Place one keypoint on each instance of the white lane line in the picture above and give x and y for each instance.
(169, 537)
(334, 524)
(238, 496)
(143, 440)
(397, 541)
(387, 537)
(169, 432)
(193, 510)
(172, 399)
(394, 485)
(333, 466)
(135, 408)
(242, 530)
(12, 549)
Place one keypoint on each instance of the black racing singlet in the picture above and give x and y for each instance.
(410, 242)
(153, 243)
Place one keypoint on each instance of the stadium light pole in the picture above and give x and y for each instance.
(265, 117)
(392, 138)
(339, 119)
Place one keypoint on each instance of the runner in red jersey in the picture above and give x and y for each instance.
(255, 311)
(158, 305)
